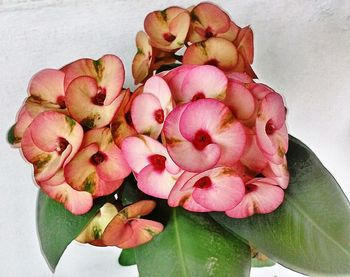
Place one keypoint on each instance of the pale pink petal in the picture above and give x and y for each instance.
(204, 81)
(278, 172)
(242, 78)
(240, 100)
(217, 189)
(262, 196)
(252, 157)
(160, 89)
(147, 115)
(154, 183)
(48, 85)
(183, 197)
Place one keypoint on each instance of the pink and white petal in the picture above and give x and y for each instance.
(143, 114)
(160, 89)
(77, 202)
(252, 156)
(272, 107)
(137, 149)
(47, 85)
(179, 197)
(80, 172)
(80, 96)
(261, 198)
(242, 78)
(143, 231)
(175, 80)
(260, 91)
(114, 167)
(279, 172)
(154, 183)
(280, 140)
(224, 192)
(239, 100)
(207, 80)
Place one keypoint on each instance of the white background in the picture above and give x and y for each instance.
(302, 50)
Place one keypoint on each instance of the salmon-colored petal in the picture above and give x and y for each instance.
(208, 20)
(217, 189)
(252, 157)
(232, 33)
(48, 85)
(83, 100)
(143, 231)
(204, 81)
(117, 231)
(140, 208)
(108, 72)
(143, 58)
(262, 196)
(245, 43)
(77, 202)
(214, 51)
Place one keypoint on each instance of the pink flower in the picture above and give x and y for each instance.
(128, 230)
(50, 142)
(207, 132)
(150, 108)
(155, 172)
(99, 167)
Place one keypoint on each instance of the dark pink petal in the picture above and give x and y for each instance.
(262, 196)
(217, 189)
(252, 157)
(213, 85)
(241, 78)
(48, 85)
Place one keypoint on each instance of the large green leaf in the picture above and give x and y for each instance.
(193, 245)
(11, 138)
(310, 232)
(57, 227)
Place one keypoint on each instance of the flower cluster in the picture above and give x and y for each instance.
(204, 135)
(207, 32)
(63, 130)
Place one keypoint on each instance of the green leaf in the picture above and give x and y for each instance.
(310, 232)
(11, 135)
(192, 244)
(127, 257)
(57, 227)
(130, 193)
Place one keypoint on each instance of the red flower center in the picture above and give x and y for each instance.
(198, 96)
(61, 145)
(169, 37)
(203, 183)
(100, 96)
(61, 102)
(128, 118)
(269, 128)
(158, 162)
(201, 139)
(159, 116)
(250, 188)
(209, 33)
(213, 62)
(97, 158)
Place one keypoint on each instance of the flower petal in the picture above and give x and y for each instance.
(47, 85)
(262, 197)
(160, 89)
(207, 81)
(222, 189)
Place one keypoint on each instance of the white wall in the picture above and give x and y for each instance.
(302, 50)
